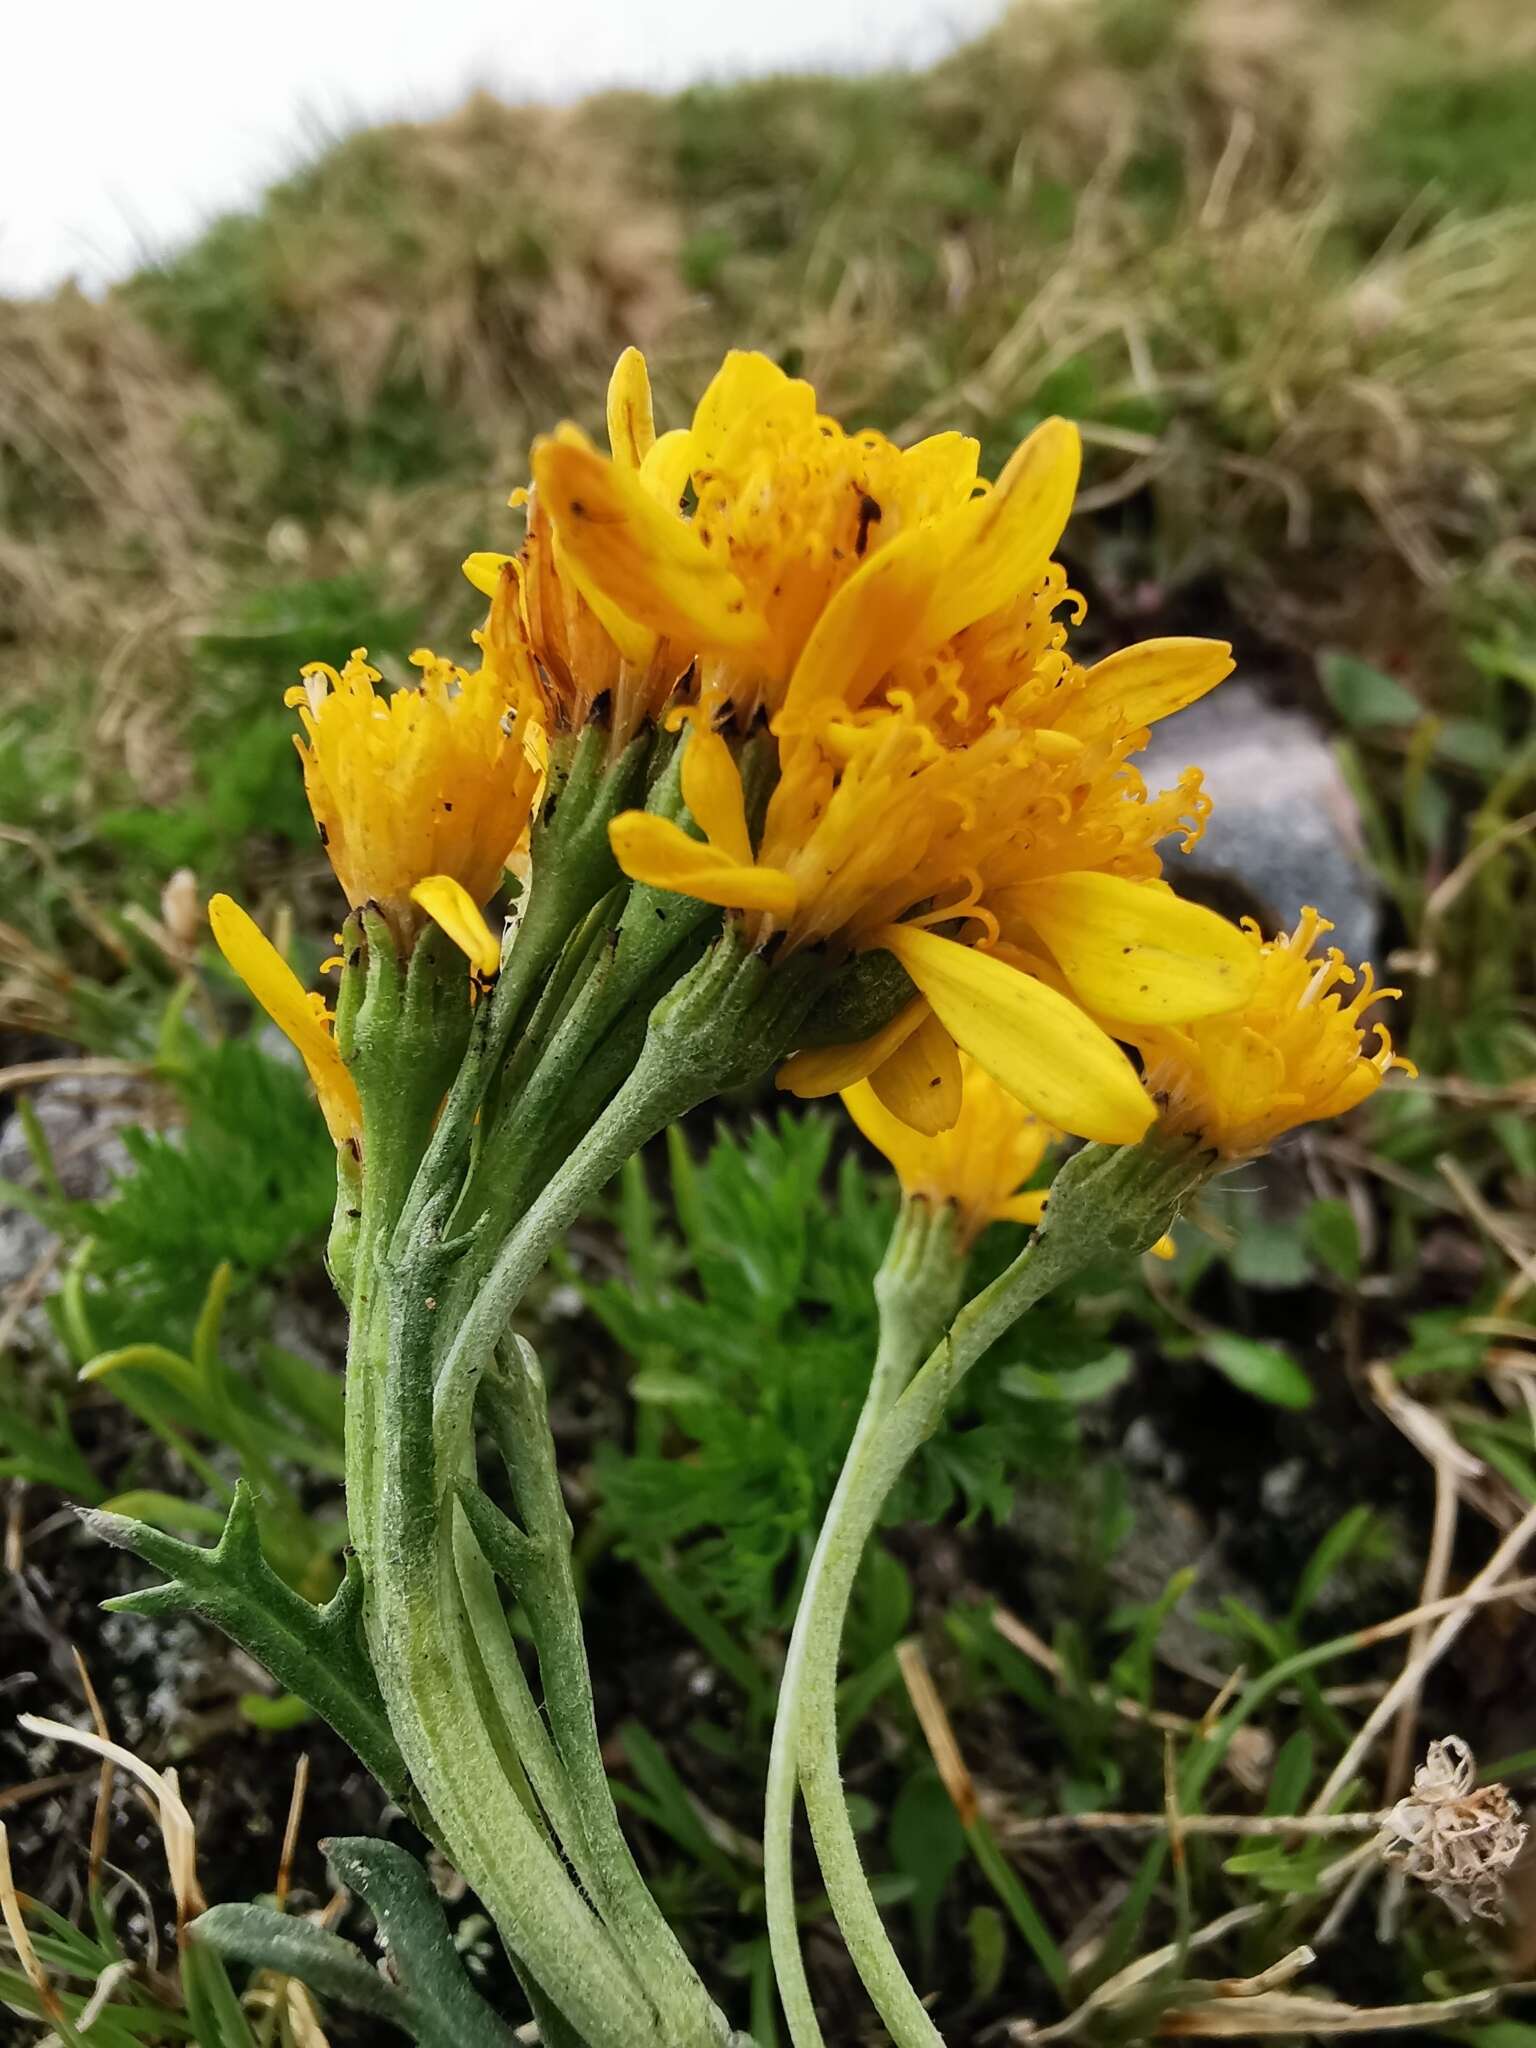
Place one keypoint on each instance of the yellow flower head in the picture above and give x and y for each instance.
(948, 778)
(1294, 1053)
(978, 1165)
(429, 787)
(301, 1016)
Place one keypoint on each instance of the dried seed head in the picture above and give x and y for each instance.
(1454, 1835)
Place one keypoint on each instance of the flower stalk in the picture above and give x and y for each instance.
(730, 1017)
(1104, 1204)
(916, 1288)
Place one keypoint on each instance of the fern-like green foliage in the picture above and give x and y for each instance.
(749, 1311)
(165, 1300)
(248, 1178)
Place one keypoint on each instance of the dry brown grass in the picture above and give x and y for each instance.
(501, 255)
(108, 449)
(1153, 202)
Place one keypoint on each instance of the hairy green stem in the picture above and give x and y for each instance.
(519, 1414)
(429, 1667)
(915, 1289)
(1104, 1204)
(514, 1698)
(420, 1651)
(730, 1017)
(728, 1020)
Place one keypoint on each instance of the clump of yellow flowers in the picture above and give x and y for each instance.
(775, 759)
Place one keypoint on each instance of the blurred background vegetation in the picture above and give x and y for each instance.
(1276, 257)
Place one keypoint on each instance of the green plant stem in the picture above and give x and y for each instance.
(915, 1288)
(729, 1018)
(520, 1418)
(401, 1506)
(423, 1660)
(514, 1698)
(1104, 1204)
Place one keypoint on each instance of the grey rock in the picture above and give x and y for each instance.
(82, 1118)
(1285, 831)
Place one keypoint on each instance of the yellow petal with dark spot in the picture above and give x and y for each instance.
(635, 641)
(920, 1082)
(829, 1069)
(642, 557)
(998, 545)
(930, 582)
(1136, 951)
(484, 571)
(877, 615)
(1037, 1044)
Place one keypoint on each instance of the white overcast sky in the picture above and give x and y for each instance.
(125, 125)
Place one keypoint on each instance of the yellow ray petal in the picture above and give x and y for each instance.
(712, 792)
(631, 422)
(878, 614)
(1002, 542)
(1146, 682)
(636, 642)
(888, 1133)
(639, 555)
(1035, 1043)
(449, 904)
(484, 571)
(920, 1081)
(296, 1013)
(938, 474)
(745, 384)
(666, 470)
(1135, 950)
(930, 582)
(654, 850)
(829, 1069)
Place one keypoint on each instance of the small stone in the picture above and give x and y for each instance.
(1285, 831)
(1141, 1447)
(1281, 1487)
(81, 1118)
